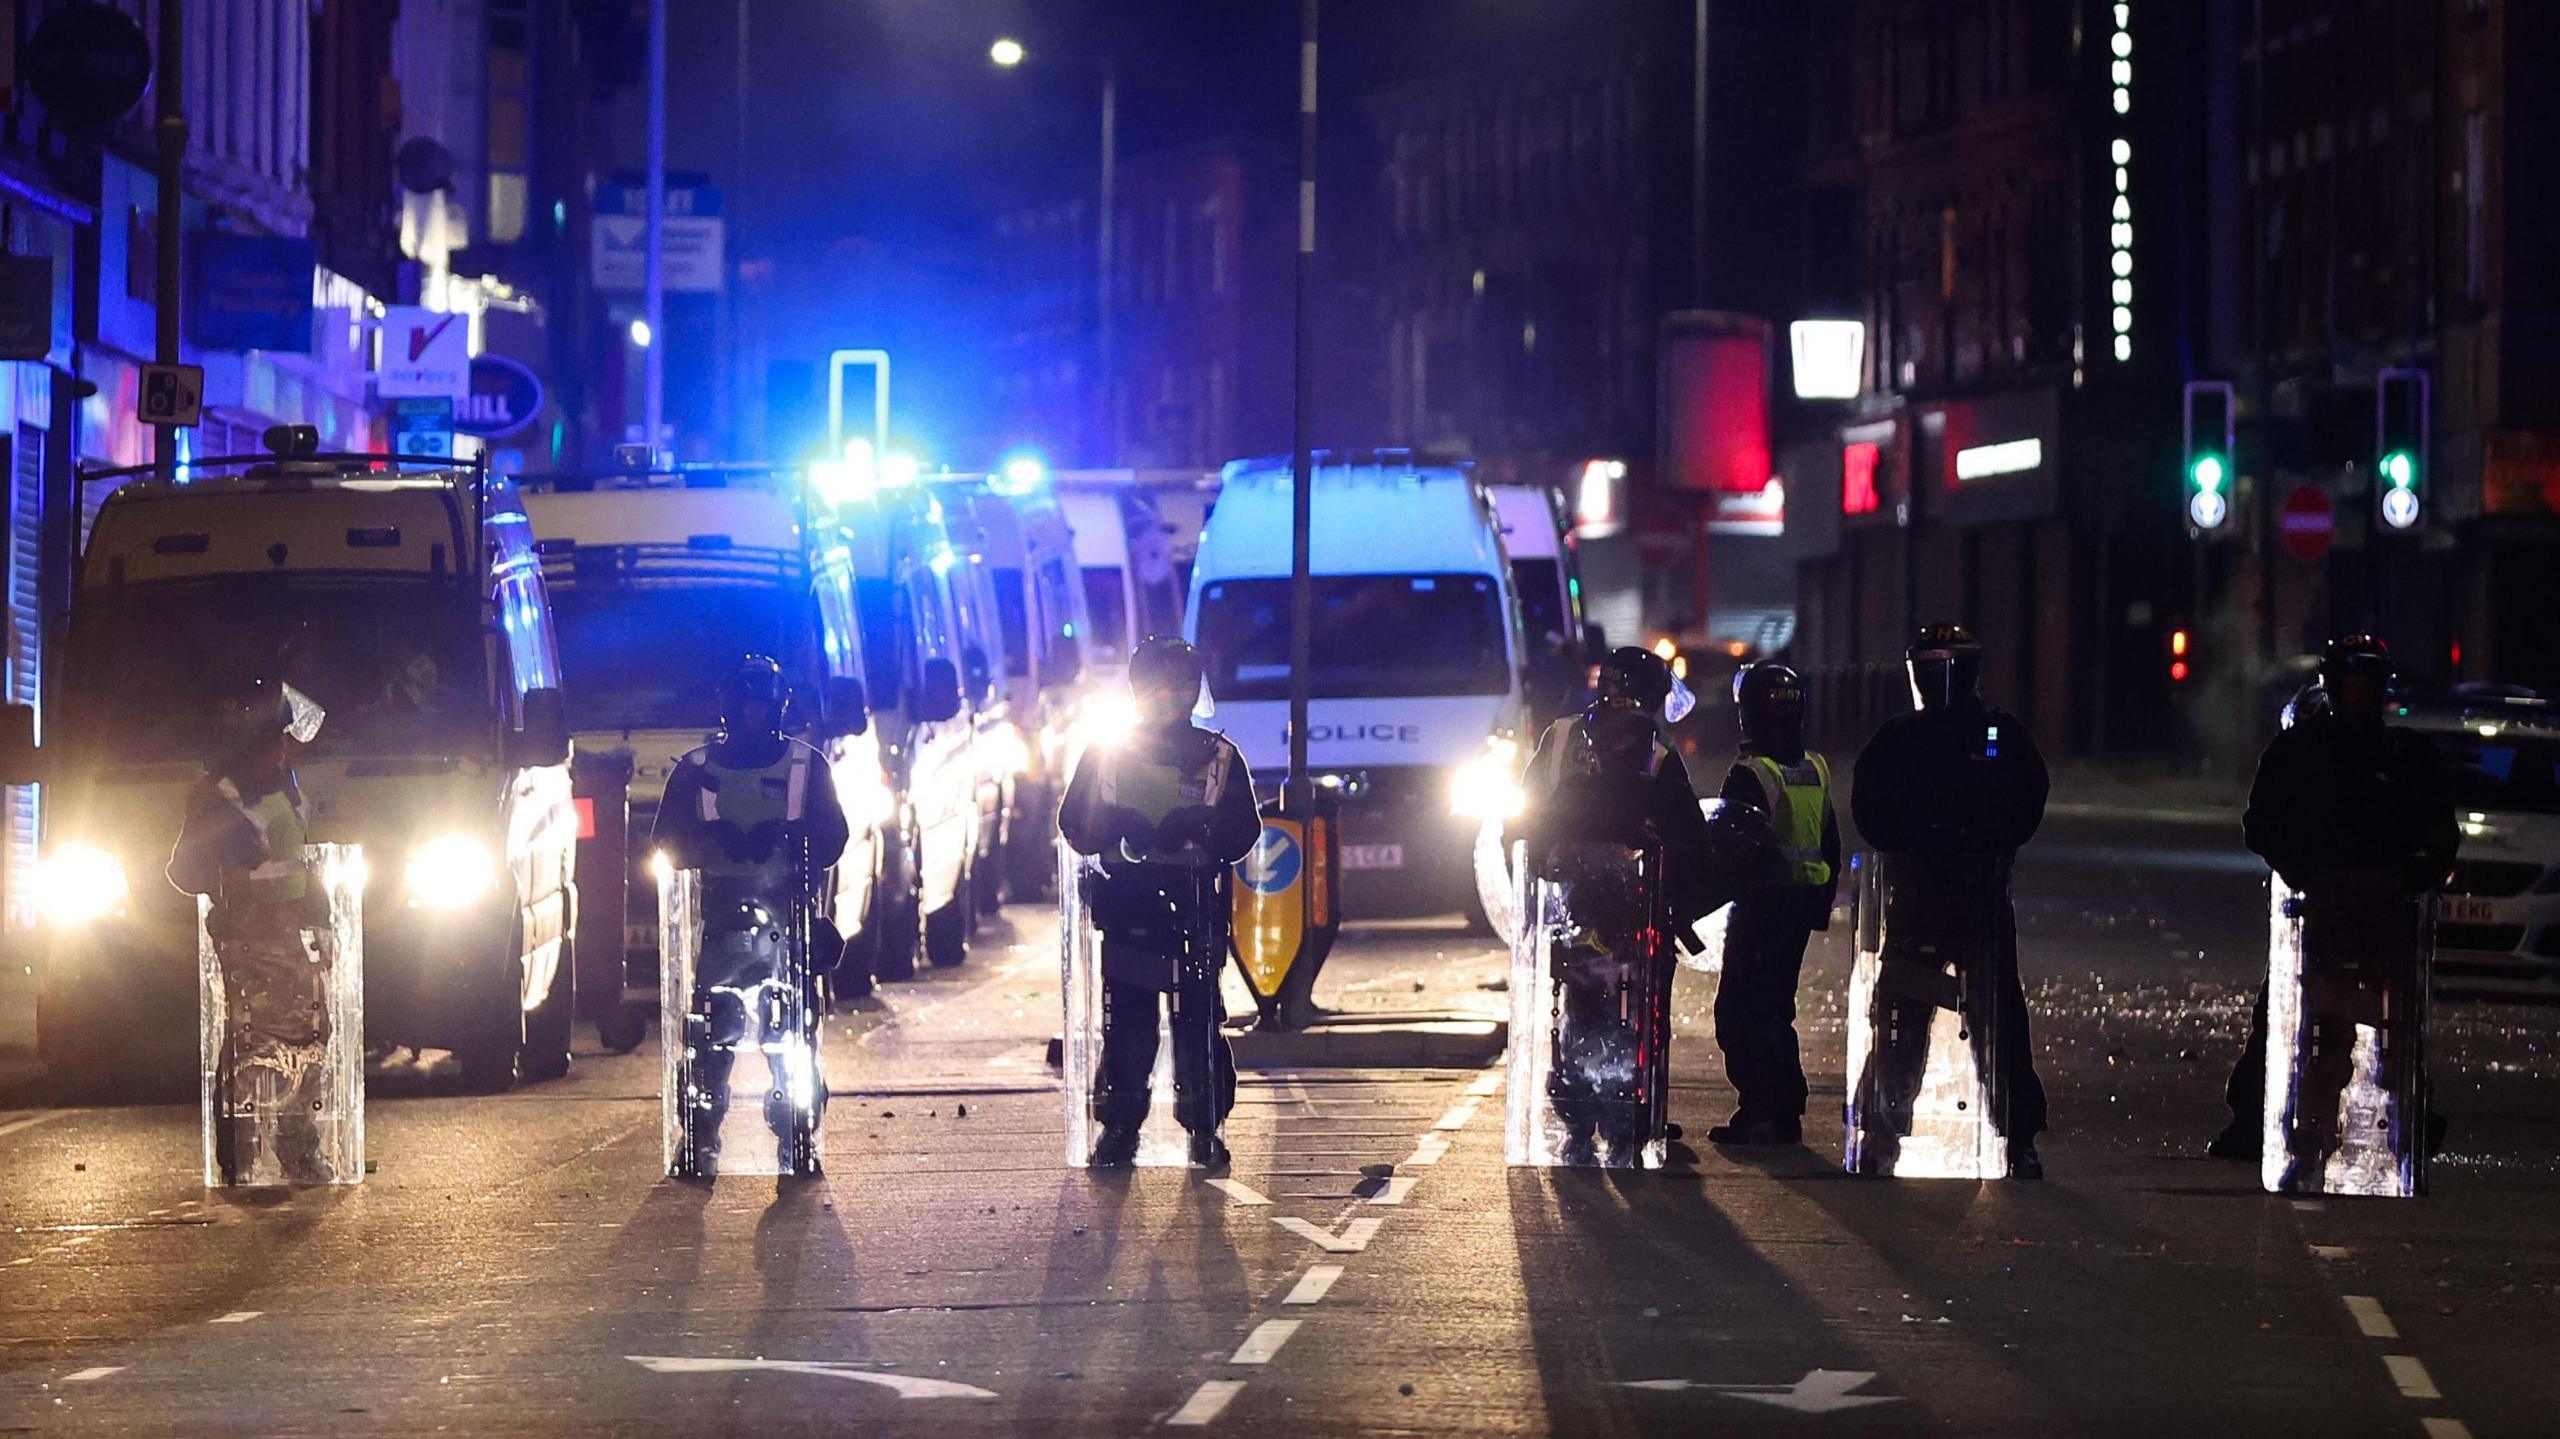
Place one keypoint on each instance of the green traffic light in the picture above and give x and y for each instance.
(2207, 473)
(2400, 469)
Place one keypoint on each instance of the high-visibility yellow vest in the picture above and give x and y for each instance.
(774, 793)
(1130, 780)
(284, 878)
(1799, 797)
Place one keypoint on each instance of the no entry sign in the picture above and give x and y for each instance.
(2308, 522)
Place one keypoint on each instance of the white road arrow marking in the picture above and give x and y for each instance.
(908, 1386)
(1820, 1391)
(1237, 1192)
(1355, 1235)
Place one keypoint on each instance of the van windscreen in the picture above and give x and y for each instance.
(1376, 636)
(395, 663)
(636, 655)
(1106, 604)
(1541, 592)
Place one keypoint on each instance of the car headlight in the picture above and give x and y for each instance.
(1488, 786)
(1107, 718)
(80, 883)
(449, 872)
(868, 801)
(1008, 755)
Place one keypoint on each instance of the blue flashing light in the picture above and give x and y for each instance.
(1020, 473)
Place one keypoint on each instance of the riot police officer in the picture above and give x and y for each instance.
(756, 812)
(1771, 923)
(1947, 794)
(241, 844)
(2340, 799)
(1167, 813)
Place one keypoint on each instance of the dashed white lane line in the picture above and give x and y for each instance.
(1457, 1118)
(237, 1316)
(86, 1376)
(1238, 1192)
(1263, 1344)
(2370, 1318)
(1395, 1191)
(1207, 1402)
(1313, 1285)
(32, 1120)
(2332, 1251)
(1427, 1151)
(1353, 1237)
(1485, 1083)
(2446, 1429)
(2411, 1376)
(22, 1259)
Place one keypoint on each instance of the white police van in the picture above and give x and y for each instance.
(1418, 712)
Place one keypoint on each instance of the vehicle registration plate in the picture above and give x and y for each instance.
(1373, 856)
(2468, 909)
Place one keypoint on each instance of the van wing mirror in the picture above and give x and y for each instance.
(847, 705)
(938, 691)
(19, 761)
(543, 738)
(979, 674)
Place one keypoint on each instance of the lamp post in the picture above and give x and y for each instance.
(1008, 53)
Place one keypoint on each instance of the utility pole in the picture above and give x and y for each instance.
(653, 362)
(168, 234)
(1698, 163)
(1102, 297)
(1301, 790)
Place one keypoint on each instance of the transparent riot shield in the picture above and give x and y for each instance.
(1143, 1046)
(1590, 1009)
(1924, 996)
(281, 1032)
(2348, 967)
(744, 1083)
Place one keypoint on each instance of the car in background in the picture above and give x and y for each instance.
(1418, 716)
(1546, 576)
(2498, 924)
(407, 601)
(1027, 556)
(1125, 555)
(660, 583)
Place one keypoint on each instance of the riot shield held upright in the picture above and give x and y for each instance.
(1590, 1009)
(2348, 969)
(1923, 1016)
(735, 984)
(1142, 1045)
(281, 1032)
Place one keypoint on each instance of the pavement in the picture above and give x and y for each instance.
(516, 1264)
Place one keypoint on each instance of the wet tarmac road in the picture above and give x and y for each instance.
(515, 1265)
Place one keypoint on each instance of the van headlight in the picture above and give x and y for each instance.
(81, 883)
(1488, 786)
(1107, 718)
(451, 871)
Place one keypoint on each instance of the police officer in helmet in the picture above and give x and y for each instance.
(2340, 797)
(1772, 922)
(1166, 814)
(1948, 793)
(756, 812)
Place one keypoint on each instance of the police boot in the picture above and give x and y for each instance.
(1580, 1148)
(1208, 1151)
(2236, 1141)
(1117, 1148)
(2023, 1163)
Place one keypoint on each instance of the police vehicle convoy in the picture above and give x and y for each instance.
(1418, 701)
(1125, 553)
(658, 582)
(985, 656)
(1546, 576)
(405, 601)
(1027, 558)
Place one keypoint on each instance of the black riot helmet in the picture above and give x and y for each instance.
(752, 697)
(1632, 678)
(1945, 663)
(1165, 674)
(1769, 699)
(2356, 674)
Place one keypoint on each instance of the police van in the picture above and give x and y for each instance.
(409, 604)
(1419, 709)
(1546, 575)
(1026, 559)
(913, 652)
(1125, 553)
(2498, 922)
(660, 583)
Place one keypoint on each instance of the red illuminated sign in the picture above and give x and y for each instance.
(586, 817)
(1858, 477)
(1715, 402)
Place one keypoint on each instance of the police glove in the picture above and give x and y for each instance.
(1125, 826)
(1186, 828)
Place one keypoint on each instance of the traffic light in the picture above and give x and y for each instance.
(2181, 641)
(2207, 467)
(2400, 449)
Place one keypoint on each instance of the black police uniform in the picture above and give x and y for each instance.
(1181, 799)
(2336, 794)
(1948, 795)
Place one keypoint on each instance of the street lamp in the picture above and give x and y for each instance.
(1008, 53)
